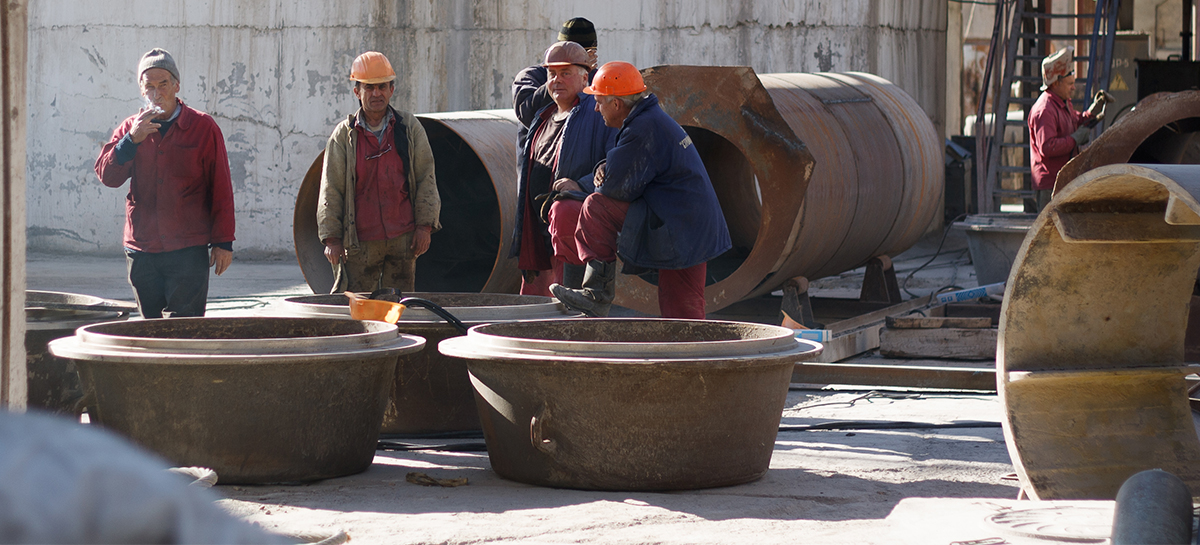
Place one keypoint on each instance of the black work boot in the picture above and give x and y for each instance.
(573, 275)
(599, 289)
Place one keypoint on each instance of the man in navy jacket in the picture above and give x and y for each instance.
(564, 141)
(653, 191)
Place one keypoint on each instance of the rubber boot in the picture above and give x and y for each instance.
(573, 275)
(599, 289)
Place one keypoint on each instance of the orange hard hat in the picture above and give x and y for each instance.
(372, 67)
(616, 78)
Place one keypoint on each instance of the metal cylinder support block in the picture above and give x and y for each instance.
(1090, 355)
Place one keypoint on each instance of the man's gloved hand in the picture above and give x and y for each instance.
(1082, 135)
(1098, 102)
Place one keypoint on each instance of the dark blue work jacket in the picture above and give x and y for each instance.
(585, 141)
(674, 219)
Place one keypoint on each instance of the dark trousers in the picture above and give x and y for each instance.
(174, 284)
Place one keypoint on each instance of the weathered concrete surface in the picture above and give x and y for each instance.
(273, 74)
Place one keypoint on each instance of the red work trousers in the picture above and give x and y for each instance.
(564, 217)
(680, 291)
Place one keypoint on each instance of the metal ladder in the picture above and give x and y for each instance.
(1020, 40)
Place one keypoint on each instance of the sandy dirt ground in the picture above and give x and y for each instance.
(829, 486)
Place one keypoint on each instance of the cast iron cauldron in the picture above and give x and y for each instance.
(53, 383)
(630, 404)
(259, 400)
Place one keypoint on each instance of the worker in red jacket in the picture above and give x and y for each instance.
(1056, 130)
(179, 209)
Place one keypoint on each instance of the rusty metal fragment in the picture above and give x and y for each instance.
(1120, 141)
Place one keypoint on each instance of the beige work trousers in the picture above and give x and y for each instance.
(382, 264)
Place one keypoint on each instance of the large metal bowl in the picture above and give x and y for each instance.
(53, 383)
(630, 404)
(259, 400)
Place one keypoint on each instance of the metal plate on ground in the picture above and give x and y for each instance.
(1072, 523)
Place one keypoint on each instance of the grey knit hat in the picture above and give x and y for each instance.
(158, 58)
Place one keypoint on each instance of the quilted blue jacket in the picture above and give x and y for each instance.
(674, 219)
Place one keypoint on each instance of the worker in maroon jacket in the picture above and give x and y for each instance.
(1056, 130)
(180, 202)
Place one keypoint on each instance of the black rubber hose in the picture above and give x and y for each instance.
(463, 434)
(429, 305)
(390, 445)
(391, 442)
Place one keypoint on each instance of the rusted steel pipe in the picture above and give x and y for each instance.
(1152, 130)
(476, 167)
(856, 173)
(891, 169)
(816, 174)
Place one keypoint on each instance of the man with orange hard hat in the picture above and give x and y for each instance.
(379, 200)
(654, 205)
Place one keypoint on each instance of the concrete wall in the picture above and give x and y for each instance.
(273, 74)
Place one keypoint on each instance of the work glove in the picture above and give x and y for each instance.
(1082, 135)
(1098, 102)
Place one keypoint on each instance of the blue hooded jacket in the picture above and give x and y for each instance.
(674, 220)
(585, 141)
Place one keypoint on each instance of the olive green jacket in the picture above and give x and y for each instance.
(335, 209)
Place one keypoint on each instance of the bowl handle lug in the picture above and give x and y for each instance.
(537, 432)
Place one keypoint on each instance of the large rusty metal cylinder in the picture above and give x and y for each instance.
(476, 167)
(1090, 362)
(1163, 129)
(816, 175)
